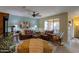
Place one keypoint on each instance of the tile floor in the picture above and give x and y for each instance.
(62, 49)
(74, 47)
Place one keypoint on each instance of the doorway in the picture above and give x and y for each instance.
(76, 26)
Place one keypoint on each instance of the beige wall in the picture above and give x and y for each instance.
(63, 23)
(71, 15)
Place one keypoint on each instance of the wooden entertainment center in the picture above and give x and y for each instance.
(3, 23)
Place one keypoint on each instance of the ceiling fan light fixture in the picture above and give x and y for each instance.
(33, 15)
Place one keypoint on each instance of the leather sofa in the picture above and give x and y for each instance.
(27, 34)
(48, 36)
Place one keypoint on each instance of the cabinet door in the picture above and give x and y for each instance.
(1, 24)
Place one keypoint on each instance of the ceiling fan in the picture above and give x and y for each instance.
(36, 14)
(32, 12)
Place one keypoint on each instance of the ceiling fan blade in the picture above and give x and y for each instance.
(37, 13)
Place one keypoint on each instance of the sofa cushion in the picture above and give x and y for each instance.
(22, 32)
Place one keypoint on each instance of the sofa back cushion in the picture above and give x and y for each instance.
(48, 32)
(28, 32)
(22, 32)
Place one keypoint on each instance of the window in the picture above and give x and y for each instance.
(45, 25)
(56, 27)
(52, 24)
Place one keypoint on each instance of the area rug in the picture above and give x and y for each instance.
(35, 45)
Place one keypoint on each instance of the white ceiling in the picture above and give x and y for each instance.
(43, 10)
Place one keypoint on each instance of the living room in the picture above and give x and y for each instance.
(51, 24)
